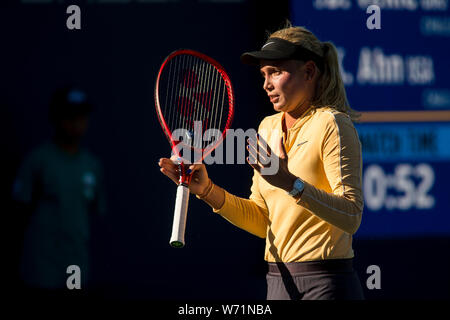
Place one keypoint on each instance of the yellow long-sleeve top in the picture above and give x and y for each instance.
(323, 150)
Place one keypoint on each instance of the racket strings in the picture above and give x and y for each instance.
(195, 91)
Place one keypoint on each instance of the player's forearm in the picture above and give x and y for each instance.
(243, 213)
(215, 198)
(341, 211)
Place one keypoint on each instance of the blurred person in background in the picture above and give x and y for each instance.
(58, 191)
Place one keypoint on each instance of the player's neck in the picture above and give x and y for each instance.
(291, 117)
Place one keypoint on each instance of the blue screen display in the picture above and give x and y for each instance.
(401, 66)
(405, 179)
(404, 65)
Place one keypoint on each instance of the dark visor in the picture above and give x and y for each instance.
(280, 49)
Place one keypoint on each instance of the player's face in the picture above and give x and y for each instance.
(284, 83)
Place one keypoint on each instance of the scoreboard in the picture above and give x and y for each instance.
(397, 76)
(406, 170)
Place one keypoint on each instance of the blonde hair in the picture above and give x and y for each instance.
(330, 90)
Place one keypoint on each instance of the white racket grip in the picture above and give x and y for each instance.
(179, 217)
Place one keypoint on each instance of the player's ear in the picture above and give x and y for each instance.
(310, 70)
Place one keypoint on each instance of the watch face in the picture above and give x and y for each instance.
(298, 184)
(298, 187)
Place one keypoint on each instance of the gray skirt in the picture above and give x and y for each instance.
(313, 280)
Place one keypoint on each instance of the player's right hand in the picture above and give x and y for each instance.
(199, 181)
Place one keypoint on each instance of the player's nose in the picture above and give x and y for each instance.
(267, 85)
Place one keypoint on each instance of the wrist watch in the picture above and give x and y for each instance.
(297, 187)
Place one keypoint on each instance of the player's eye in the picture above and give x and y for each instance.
(276, 72)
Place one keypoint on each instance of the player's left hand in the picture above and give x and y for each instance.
(282, 178)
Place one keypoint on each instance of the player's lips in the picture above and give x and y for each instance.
(274, 98)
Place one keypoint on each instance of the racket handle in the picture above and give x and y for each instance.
(179, 217)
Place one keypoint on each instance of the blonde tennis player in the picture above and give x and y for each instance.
(310, 208)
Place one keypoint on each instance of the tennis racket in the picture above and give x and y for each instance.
(193, 94)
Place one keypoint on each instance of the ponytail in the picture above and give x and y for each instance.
(330, 90)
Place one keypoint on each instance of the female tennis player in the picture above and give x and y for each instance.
(310, 208)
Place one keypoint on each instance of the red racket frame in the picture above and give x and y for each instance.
(185, 179)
